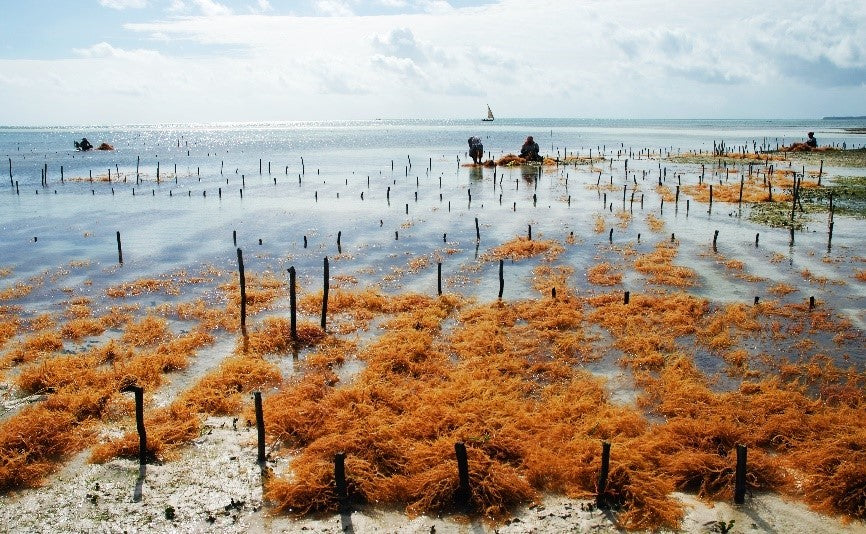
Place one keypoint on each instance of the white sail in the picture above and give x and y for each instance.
(489, 114)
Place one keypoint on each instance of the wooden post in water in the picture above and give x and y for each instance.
(243, 284)
(740, 201)
(325, 292)
(626, 296)
(439, 278)
(260, 426)
(715, 238)
(139, 421)
(119, 249)
(501, 277)
(477, 230)
(740, 476)
(600, 500)
(293, 303)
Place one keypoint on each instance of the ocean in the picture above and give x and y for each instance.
(185, 196)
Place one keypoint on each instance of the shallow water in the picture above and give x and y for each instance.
(418, 202)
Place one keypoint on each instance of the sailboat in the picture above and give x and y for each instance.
(489, 114)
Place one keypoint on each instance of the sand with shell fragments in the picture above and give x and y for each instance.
(216, 486)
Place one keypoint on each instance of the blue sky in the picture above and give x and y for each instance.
(151, 61)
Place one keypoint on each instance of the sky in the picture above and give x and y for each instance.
(156, 61)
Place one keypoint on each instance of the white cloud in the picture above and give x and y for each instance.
(209, 8)
(123, 4)
(104, 50)
(400, 42)
(333, 8)
(262, 6)
(614, 58)
(177, 7)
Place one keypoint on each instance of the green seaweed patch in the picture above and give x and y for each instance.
(849, 196)
(832, 157)
(778, 214)
(710, 159)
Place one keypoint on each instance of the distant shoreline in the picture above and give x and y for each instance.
(844, 118)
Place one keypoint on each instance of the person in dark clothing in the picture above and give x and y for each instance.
(83, 145)
(476, 150)
(529, 150)
(811, 141)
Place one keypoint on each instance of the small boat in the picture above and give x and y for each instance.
(489, 114)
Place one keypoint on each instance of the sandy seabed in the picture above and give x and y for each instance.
(216, 486)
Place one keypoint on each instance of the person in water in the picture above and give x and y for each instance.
(476, 149)
(811, 141)
(84, 144)
(529, 150)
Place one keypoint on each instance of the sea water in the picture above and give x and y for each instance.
(391, 191)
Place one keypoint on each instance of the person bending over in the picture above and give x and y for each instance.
(529, 150)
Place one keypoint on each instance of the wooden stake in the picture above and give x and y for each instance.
(325, 288)
(293, 304)
(260, 426)
(119, 249)
(139, 421)
(243, 284)
(463, 490)
(600, 500)
(740, 476)
(340, 480)
(501, 277)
